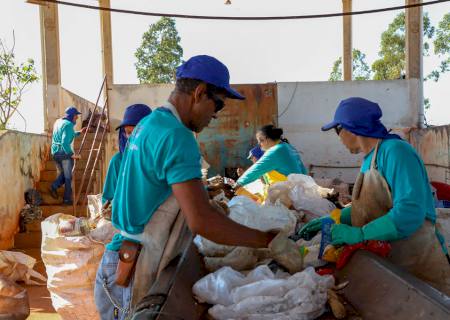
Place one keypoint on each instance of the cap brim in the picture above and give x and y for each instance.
(329, 126)
(233, 94)
(78, 112)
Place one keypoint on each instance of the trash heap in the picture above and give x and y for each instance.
(248, 283)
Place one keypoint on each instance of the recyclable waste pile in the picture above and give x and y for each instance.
(302, 193)
(262, 294)
(248, 213)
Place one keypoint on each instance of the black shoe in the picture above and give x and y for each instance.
(53, 193)
(68, 203)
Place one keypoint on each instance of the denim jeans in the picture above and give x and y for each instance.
(64, 166)
(112, 301)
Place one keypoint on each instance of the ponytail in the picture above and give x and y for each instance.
(273, 133)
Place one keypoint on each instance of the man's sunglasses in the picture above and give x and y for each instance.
(218, 103)
(338, 129)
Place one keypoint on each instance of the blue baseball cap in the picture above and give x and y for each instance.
(361, 117)
(256, 152)
(71, 111)
(209, 70)
(133, 114)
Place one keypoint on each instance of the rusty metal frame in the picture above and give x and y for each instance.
(99, 150)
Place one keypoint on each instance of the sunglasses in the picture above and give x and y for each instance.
(338, 129)
(218, 103)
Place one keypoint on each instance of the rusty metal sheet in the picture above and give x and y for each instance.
(228, 139)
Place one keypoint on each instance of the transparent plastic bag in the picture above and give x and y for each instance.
(260, 295)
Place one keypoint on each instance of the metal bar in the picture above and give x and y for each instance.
(75, 198)
(96, 157)
(90, 152)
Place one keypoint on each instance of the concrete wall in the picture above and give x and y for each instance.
(304, 107)
(433, 144)
(69, 98)
(22, 157)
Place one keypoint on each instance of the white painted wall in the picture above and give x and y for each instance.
(304, 107)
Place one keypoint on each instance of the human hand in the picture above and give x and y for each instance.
(76, 156)
(240, 171)
(83, 130)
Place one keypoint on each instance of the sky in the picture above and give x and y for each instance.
(254, 51)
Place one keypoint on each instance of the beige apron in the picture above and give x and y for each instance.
(161, 242)
(421, 253)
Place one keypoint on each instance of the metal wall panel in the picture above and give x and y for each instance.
(228, 139)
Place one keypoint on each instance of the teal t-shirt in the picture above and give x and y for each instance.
(282, 157)
(111, 177)
(405, 173)
(160, 152)
(63, 135)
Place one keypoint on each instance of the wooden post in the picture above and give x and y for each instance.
(105, 29)
(414, 54)
(347, 40)
(51, 70)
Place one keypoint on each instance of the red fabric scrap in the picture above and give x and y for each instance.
(381, 248)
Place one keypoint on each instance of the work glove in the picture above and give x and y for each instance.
(382, 228)
(310, 229)
(286, 252)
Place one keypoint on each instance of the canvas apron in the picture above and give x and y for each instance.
(421, 253)
(161, 242)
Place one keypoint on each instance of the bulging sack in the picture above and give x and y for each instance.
(71, 263)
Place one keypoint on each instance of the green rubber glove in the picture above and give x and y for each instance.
(382, 228)
(310, 229)
(344, 234)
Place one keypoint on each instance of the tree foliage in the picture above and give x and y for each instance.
(360, 71)
(160, 53)
(14, 79)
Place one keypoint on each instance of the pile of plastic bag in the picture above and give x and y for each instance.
(71, 252)
(261, 294)
(303, 193)
(13, 300)
(250, 214)
(17, 266)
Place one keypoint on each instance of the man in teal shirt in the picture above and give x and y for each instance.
(163, 159)
(133, 114)
(62, 152)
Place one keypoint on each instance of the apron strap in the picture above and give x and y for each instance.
(373, 164)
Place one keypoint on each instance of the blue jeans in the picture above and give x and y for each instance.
(64, 166)
(112, 301)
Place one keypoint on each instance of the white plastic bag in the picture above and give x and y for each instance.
(304, 193)
(261, 295)
(71, 264)
(250, 214)
(17, 266)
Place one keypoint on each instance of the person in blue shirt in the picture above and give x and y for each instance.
(133, 114)
(391, 200)
(279, 160)
(160, 184)
(63, 154)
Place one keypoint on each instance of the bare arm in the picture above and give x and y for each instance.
(206, 221)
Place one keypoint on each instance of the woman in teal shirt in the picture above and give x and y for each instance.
(133, 114)
(280, 159)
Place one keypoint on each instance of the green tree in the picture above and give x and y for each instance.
(361, 70)
(160, 53)
(14, 79)
(442, 47)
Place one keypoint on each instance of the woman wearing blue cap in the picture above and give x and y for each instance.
(133, 114)
(391, 200)
(279, 160)
(62, 153)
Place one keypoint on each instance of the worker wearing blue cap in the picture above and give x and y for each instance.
(133, 114)
(159, 193)
(391, 200)
(62, 152)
